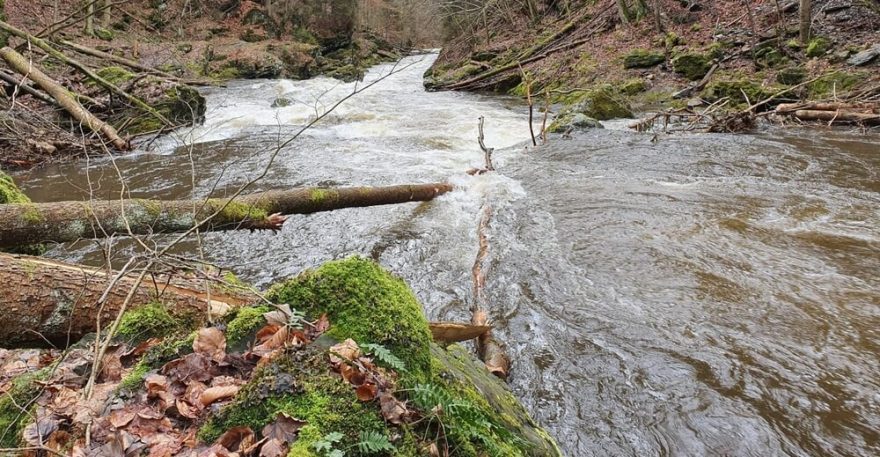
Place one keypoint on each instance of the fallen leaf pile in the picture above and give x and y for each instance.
(162, 418)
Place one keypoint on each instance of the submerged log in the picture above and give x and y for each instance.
(62, 222)
(51, 301)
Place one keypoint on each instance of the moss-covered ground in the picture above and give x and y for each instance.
(369, 305)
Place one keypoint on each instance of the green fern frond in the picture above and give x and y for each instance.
(374, 442)
(384, 356)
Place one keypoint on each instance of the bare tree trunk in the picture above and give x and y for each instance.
(46, 300)
(64, 98)
(806, 19)
(62, 222)
(623, 11)
(658, 21)
(90, 18)
(106, 16)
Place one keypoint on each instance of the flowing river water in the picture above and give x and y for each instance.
(697, 295)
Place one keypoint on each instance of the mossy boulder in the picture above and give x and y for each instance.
(602, 104)
(769, 57)
(642, 58)
(817, 47)
(832, 83)
(734, 88)
(365, 303)
(114, 75)
(353, 292)
(255, 63)
(791, 76)
(104, 34)
(569, 121)
(691, 65)
(179, 103)
(633, 86)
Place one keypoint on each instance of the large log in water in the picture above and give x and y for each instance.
(62, 222)
(44, 301)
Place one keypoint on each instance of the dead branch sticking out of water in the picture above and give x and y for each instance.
(490, 350)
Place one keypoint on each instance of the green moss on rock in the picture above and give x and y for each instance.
(9, 192)
(834, 83)
(24, 390)
(602, 104)
(642, 58)
(115, 75)
(734, 88)
(817, 47)
(244, 324)
(147, 321)
(301, 386)
(691, 65)
(633, 86)
(104, 34)
(791, 76)
(368, 304)
(365, 303)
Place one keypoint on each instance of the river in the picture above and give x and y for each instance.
(695, 295)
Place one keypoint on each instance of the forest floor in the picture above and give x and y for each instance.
(188, 46)
(694, 54)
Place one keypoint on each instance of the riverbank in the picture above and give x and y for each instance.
(345, 364)
(690, 55)
(158, 53)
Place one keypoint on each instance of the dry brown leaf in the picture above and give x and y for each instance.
(37, 433)
(235, 437)
(274, 448)
(280, 316)
(366, 392)
(285, 428)
(266, 332)
(393, 410)
(213, 394)
(352, 374)
(187, 410)
(121, 417)
(191, 367)
(321, 325)
(111, 366)
(211, 342)
(346, 350)
(216, 451)
(65, 402)
(140, 349)
(220, 381)
(155, 383)
(165, 445)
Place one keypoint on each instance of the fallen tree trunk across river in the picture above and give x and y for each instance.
(61, 222)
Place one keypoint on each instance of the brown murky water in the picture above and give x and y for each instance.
(701, 295)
